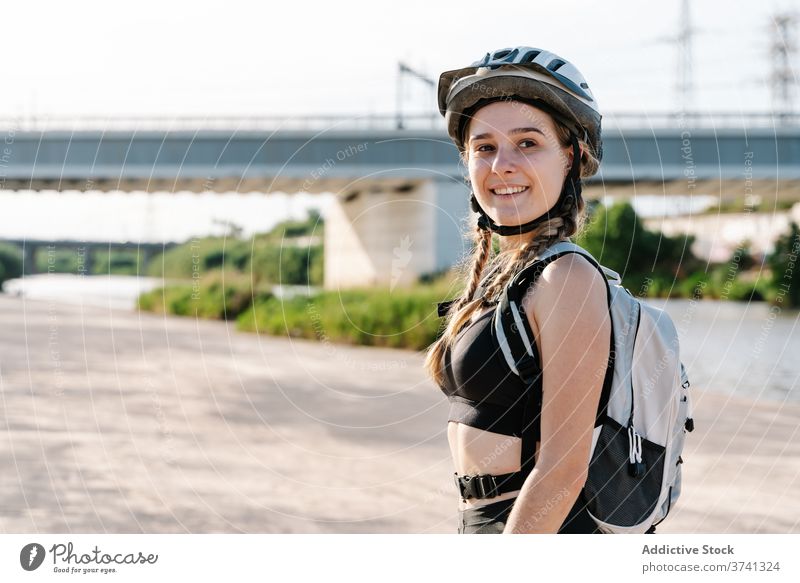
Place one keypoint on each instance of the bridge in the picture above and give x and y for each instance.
(401, 197)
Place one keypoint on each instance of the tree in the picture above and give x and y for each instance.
(785, 271)
(617, 238)
(10, 262)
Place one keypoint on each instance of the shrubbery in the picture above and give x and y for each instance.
(618, 238)
(405, 318)
(10, 262)
(217, 296)
(118, 263)
(273, 257)
(651, 264)
(785, 281)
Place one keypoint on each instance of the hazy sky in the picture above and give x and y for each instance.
(233, 57)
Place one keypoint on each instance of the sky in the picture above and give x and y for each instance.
(296, 58)
(234, 58)
(145, 217)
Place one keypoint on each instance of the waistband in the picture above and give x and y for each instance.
(492, 518)
(486, 519)
(494, 511)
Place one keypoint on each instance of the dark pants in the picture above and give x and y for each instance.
(492, 518)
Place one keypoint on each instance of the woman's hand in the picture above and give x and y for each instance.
(568, 313)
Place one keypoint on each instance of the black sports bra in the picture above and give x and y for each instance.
(482, 390)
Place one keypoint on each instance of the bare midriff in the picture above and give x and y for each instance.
(477, 451)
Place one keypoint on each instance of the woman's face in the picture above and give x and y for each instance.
(516, 164)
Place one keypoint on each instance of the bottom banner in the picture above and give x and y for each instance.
(352, 558)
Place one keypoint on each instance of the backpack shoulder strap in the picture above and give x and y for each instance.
(511, 327)
(518, 346)
(510, 322)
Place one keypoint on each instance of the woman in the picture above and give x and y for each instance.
(528, 130)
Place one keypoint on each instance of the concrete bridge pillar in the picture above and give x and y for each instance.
(391, 238)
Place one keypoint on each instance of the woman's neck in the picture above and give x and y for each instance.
(512, 242)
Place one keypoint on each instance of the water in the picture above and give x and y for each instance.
(112, 291)
(737, 348)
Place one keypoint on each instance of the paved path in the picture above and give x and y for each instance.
(123, 422)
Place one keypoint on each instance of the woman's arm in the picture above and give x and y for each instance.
(569, 316)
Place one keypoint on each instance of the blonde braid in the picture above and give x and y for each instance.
(461, 311)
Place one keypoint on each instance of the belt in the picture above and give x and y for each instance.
(488, 485)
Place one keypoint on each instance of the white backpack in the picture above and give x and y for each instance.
(635, 461)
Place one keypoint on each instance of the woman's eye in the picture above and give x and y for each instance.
(490, 148)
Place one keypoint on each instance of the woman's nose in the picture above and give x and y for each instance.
(504, 161)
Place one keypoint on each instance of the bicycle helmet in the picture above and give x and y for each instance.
(523, 72)
(533, 76)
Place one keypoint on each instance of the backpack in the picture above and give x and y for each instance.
(634, 476)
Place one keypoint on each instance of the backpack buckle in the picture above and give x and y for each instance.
(487, 486)
(481, 486)
(528, 369)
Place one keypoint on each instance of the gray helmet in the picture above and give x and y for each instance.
(528, 74)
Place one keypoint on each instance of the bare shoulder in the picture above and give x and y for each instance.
(569, 284)
(569, 316)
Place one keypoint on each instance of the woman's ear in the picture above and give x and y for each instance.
(568, 155)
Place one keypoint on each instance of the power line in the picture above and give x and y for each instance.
(404, 71)
(685, 82)
(783, 51)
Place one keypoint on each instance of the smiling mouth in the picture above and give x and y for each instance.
(508, 192)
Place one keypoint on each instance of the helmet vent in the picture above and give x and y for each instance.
(530, 56)
(555, 65)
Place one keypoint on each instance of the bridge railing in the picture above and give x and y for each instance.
(380, 122)
(243, 123)
(701, 119)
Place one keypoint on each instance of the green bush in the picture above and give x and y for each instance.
(197, 257)
(697, 285)
(59, 260)
(312, 225)
(287, 264)
(405, 319)
(10, 262)
(170, 300)
(316, 265)
(618, 239)
(749, 291)
(274, 257)
(106, 262)
(783, 261)
(218, 296)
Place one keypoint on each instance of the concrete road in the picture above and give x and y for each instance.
(116, 421)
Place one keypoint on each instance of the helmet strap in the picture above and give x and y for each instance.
(569, 194)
